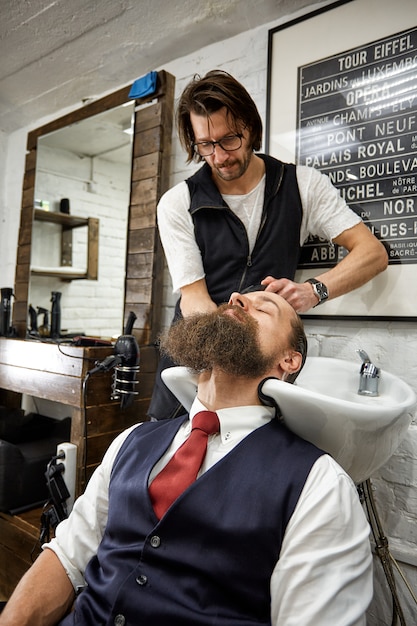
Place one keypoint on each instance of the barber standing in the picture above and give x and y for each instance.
(243, 217)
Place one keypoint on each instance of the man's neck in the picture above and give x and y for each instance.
(218, 390)
(245, 183)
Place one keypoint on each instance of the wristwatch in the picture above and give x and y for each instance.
(319, 289)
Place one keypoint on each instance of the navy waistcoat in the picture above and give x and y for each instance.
(209, 560)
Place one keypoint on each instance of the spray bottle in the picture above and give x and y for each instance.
(5, 312)
(56, 314)
(33, 322)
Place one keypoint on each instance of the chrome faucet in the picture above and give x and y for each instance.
(368, 376)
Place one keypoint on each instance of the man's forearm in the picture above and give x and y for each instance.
(362, 264)
(196, 299)
(42, 597)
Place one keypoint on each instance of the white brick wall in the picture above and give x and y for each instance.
(89, 306)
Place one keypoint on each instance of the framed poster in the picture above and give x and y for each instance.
(342, 97)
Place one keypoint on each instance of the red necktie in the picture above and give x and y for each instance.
(183, 468)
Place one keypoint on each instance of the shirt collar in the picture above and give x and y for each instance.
(237, 422)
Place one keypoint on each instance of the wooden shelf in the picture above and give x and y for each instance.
(68, 223)
(66, 220)
(57, 272)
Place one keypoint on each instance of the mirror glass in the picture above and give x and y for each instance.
(82, 190)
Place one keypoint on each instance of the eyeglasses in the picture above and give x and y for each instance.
(228, 144)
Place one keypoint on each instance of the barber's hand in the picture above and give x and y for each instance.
(300, 295)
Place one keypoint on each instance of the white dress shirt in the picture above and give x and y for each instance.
(324, 573)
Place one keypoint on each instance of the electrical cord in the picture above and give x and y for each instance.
(73, 356)
(85, 425)
(102, 366)
(83, 400)
(55, 508)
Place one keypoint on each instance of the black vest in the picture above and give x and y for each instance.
(223, 240)
(209, 560)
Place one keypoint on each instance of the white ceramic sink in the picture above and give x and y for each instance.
(323, 406)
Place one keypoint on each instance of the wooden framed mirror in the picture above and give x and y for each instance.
(141, 285)
(57, 375)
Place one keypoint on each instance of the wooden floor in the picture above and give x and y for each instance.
(19, 546)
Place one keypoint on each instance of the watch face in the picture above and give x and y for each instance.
(319, 288)
(322, 291)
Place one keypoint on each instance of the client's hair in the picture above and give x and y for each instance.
(298, 342)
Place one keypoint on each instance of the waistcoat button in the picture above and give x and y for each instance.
(142, 580)
(155, 541)
(119, 620)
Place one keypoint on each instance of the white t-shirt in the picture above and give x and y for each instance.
(325, 214)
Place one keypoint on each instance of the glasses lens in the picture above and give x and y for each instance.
(204, 148)
(231, 143)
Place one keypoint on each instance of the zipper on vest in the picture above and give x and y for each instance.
(261, 227)
(249, 257)
(248, 264)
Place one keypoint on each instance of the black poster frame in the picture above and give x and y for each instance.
(335, 30)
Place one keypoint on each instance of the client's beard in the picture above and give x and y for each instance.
(203, 341)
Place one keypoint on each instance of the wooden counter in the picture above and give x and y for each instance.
(57, 372)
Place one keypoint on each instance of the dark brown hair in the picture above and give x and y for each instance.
(298, 342)
(210, 93)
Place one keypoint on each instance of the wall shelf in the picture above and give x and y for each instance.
(68, 223)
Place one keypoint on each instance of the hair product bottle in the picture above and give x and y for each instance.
(56, 314)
